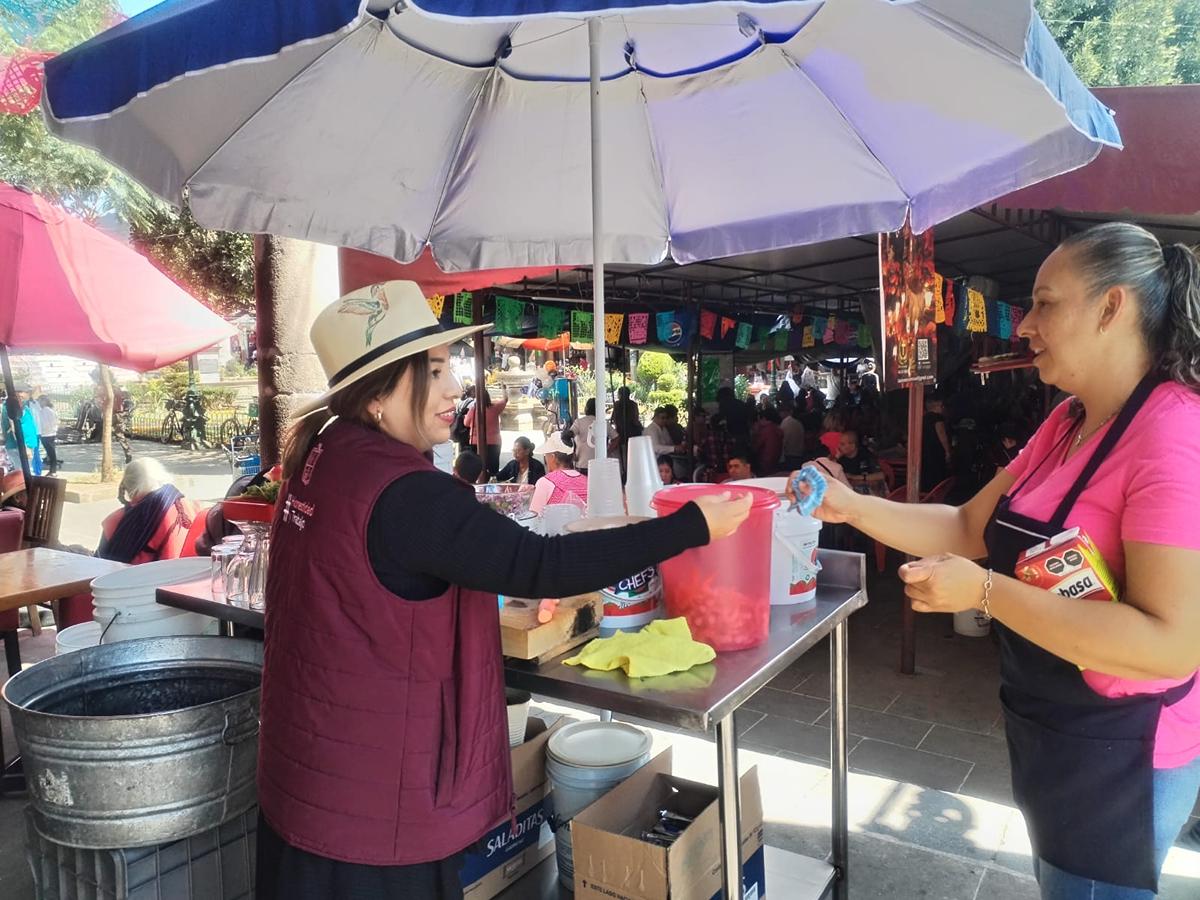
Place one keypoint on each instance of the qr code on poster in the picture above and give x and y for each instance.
(923, 350)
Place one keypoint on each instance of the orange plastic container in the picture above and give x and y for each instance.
(724, 588)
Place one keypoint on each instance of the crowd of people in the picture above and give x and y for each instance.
(37, 430)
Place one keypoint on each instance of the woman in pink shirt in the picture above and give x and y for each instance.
(1102, 713)
(562, 483)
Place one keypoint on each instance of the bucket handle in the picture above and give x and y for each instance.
(796, 552)
(239, 728)
(116, 616)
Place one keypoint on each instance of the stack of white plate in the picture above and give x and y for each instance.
(124, 603)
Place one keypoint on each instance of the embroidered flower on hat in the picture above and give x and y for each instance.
(375, 308)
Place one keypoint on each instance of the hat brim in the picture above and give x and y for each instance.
(421, 345)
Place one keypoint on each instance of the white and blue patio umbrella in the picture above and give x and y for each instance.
(481, 128)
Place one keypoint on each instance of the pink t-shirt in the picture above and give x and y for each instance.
(1147, 490)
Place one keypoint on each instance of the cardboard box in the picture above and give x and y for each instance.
(504, 857)
(612, 863)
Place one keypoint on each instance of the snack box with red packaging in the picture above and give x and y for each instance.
(1068, 564)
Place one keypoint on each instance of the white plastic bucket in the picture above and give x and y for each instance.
(77, 637)
(517, 703)
(794, 565)
(158, 621)
(972, 623)
(585, 761)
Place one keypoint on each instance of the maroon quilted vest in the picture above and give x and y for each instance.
(384, 732)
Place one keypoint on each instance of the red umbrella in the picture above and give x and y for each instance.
(66, 287)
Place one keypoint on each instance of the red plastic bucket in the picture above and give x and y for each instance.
(724, 588)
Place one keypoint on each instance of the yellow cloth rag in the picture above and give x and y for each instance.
(662, 647)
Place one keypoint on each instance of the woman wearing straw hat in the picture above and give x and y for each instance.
(383, 753)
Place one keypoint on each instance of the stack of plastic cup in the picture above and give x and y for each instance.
(642, 480)
(604, 488)
(557, 516)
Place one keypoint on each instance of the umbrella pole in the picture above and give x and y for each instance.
(600, 426)
(14, 414)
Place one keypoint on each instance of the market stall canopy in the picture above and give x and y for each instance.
(726, 128)
(66, 287)
(358, 269)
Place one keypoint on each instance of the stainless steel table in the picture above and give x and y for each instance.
(736, 677)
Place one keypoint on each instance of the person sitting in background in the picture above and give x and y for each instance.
(666, 471)
(468, 466)
(660, 435)
(718, 448)
(522, 468)
(767, 440)
(674, 429)
(738, 468)
(154, 521)
(562, 483)
(861, 468)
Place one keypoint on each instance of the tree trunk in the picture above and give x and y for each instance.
(293, 281)
(107, 473)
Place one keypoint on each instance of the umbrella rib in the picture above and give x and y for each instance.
(267, 102)
(795, 63)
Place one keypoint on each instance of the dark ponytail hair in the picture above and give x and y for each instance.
(351, 403)
(1166, 280)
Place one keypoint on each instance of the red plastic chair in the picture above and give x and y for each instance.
(938, 493)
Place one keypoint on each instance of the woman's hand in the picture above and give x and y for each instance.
(839, 504)
(723, 514)
(945, 584)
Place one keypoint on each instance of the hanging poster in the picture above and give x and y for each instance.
(808, 340)
(907, 307)
(864, 336)
(977, 321)
(437, 303)
(708, 324)
(681, 335)
(582, 327)
(726, 324)
(949, 302)
(551, 321)
(842, 334)
(781, 339)
(745, 335)
(612, 327)
(463, 308)
(939, 299)
(639, 324)
(710, 379)
(509, 313)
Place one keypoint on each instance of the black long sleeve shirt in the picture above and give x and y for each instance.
(426, 533)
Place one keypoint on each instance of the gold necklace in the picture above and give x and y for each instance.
(1079, 438)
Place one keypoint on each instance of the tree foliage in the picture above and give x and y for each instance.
(1127, 42)
(215, 266)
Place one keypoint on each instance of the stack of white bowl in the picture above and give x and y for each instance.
(124, 604)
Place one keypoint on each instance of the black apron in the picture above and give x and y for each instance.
(1082, 764)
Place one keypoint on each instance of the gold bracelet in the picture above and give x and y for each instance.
(987, 595)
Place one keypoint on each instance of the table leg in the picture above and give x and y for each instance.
(730, 809)
(839, 709)
(226, 628)
(12, 652)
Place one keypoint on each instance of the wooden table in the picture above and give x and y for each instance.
(39, 576)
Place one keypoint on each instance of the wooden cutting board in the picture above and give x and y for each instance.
(576, 621)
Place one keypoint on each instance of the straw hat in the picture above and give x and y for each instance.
(371, 328)
(554, 444)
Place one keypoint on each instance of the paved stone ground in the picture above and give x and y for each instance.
(931, 805)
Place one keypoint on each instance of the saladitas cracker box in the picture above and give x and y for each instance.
(1068, 564)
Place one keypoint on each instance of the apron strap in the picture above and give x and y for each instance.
(1131, 408)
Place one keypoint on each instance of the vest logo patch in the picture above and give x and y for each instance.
(296, 512)
(311, 463)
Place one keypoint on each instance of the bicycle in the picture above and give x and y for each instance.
(234, 427)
